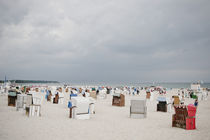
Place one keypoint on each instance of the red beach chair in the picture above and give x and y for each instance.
(184, 117)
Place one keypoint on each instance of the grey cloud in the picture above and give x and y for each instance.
(118, 40)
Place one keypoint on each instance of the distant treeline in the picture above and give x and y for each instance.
(29, 81)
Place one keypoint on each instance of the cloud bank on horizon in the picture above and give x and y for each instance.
(105, 40)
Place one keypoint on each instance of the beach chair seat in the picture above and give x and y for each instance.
(162, 104)
(138, 109)
(118, 99)
(12, 96)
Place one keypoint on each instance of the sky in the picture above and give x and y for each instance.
(105, 40)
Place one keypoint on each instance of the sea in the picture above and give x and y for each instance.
(164, 85)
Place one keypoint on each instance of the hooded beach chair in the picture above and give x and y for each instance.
(118, 99)
(79, 108)
(148, 94)
(56, 98)
(33, 104)
(91, 105)
(21, 101)
(102, 94)
(138, 109)
(12, 97)
(176, 101)
(93, 94)
(162, 104)
(61, 97)
(184, 117)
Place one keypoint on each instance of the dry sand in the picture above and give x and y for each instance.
(109, 123)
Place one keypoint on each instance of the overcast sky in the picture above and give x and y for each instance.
(105, 40)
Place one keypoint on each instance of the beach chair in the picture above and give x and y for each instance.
(151, 96)
(49, 96)
(169, 104)
(162, 104)
(72, 95)
(93, 94)
(184, 117)
(138, 109)
(118, 99)
(91, 105)
(12, 96)
(79, 108)
(176, 101)
(21, 100)
(61, 97)
(33, 105)
(102, 94)
(56, 98)
(148, 94)
(67, 90)
(28, 103)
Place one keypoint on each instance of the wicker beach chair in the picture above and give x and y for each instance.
(118, 100)
(138, 109)
(176, 101)
(184, 117)
(162, 104)
(12, 96)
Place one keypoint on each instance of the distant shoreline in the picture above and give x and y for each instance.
(29, 81)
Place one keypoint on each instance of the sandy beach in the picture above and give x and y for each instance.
(108, 123)
(54, 50)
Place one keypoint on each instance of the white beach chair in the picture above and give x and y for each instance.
(80, 108)
(53, 92)
(199, 95)
(33, 104)
(61, 97)
(21, 100)
(169, 104)
(138, 109)
(102, 94)
(91, 105)
(151, 96)
(35, 108)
